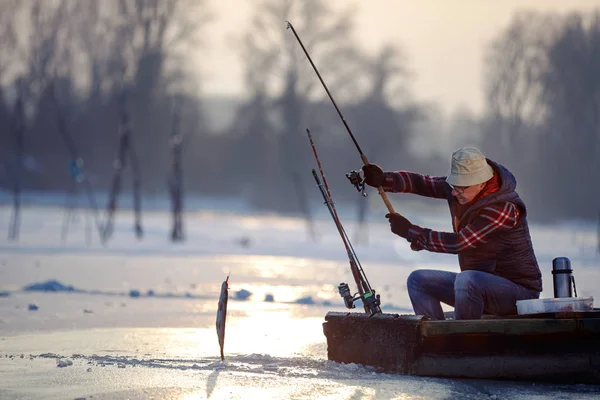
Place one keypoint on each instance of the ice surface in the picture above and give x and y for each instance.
(91, 337)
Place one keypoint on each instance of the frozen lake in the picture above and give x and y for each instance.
(162, 343)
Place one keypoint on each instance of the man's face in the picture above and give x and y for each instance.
(466, 194)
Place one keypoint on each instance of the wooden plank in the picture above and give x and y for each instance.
(568, 368)
(511, 327)
(449, 315)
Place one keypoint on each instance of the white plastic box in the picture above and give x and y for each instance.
(561, 304)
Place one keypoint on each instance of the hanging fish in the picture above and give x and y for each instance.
(222, 314)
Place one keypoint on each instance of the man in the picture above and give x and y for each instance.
(490, 235)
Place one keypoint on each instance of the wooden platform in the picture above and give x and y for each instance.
(555, 347)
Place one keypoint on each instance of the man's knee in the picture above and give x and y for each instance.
(415, 279)
(469, 279)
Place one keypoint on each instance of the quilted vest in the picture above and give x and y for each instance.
(508, 254)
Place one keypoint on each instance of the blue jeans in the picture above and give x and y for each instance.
(469, 292)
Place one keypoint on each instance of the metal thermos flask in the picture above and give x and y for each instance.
(562, 277)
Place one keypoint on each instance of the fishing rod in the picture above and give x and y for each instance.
(366, 294)
(370, 300)
(353, 176)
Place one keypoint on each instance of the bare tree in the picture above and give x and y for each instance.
(286, 76)
(514, 68)
(387, 114)
(543, 93)
(175, 181)
(125, 152)
(154, 34)
(17, 126)
(572, 95)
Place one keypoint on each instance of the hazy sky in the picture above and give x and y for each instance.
(443, 39)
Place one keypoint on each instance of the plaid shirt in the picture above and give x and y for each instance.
(490, 219)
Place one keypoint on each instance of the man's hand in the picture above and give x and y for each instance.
(373, 175)
(398, 224)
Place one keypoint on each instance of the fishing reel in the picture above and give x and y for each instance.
(370, 300)
(358, 181)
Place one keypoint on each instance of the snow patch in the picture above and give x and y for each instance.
(49, 286)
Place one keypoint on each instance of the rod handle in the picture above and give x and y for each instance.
(382, 193)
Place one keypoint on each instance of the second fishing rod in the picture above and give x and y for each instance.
(371, 301)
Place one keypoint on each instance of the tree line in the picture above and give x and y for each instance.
(543, 109)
